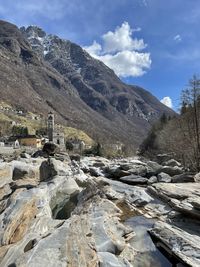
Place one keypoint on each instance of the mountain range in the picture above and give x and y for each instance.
(42, 72)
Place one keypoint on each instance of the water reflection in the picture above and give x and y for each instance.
(149, 255)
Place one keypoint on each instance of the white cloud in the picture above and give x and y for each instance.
(121, 39)
(93, 49)
(121, 52)
(178, 38)
(167, 101)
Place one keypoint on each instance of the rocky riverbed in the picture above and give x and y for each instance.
(98, 212)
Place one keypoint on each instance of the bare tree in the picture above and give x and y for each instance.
(191, 98)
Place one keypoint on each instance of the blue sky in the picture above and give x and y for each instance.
(161, 37)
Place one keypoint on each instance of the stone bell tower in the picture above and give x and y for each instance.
(50, 126)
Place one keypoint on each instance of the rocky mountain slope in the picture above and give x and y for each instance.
(42, 72)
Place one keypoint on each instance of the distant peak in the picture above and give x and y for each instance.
(33, 31)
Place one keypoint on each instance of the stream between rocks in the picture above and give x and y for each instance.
(150, 255)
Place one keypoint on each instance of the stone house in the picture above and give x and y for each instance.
(12, 142)
(30, 140)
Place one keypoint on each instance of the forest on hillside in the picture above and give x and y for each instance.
(179, 135)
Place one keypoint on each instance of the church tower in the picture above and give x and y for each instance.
(50, 126)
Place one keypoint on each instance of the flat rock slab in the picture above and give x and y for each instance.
(182, 245)
(184, 197)
(134, 179)
(183, 178)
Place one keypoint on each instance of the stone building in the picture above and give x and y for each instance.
(55, 133)
(12, 141)
(30, 140)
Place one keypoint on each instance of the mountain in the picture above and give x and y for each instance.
(42, 72)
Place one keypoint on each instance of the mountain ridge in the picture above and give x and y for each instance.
(82, 91)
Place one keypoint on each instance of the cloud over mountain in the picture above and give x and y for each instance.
(167, 101)
(121, 52)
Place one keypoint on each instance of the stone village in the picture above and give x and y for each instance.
(54, 134)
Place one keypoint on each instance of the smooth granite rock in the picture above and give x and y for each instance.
(5, 173)
(177, 242)
(183, 178)
(171, 170)
(134, 179)
(197, 178)
(65, 217)
(164, 178)
(172, 163)
(152, 180)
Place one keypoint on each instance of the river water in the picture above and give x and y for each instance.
(149, 255)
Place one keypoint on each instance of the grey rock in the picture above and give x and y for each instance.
(161, 158)
(50, 149)
(95, 172)
(183, 178)
(195, 202)
(25, 155)
(172, 163)
(64, 156)
(40, 154)
(178, 242)
(182, 197)
(152, 180)
(164, 178)
(99, 164)
(23, 170)
(134, 179)
(138, 170)
(136, 195)
(75, 157)
(115, 172)
(171, 170)
(6, 172)
(197, 177)
(5, 191)
(51, 168)
(153, 168)
(110, 260)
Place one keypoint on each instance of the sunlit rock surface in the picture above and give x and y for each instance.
(78, 213)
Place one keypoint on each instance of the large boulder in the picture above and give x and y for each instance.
(197, 178)
(179, 243)
(50, 148)
(183, 178)
(153, 168)
(5, 173)
(161, 158)
(164, 178)
(22, 170)
(5, 191)
(152, 180)
(51, 168)
(75, 157)
(95, 172)
(172, 163)
(136, 167)
(64, 156)
(40, 154)
(115, 172)
(171, 170)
